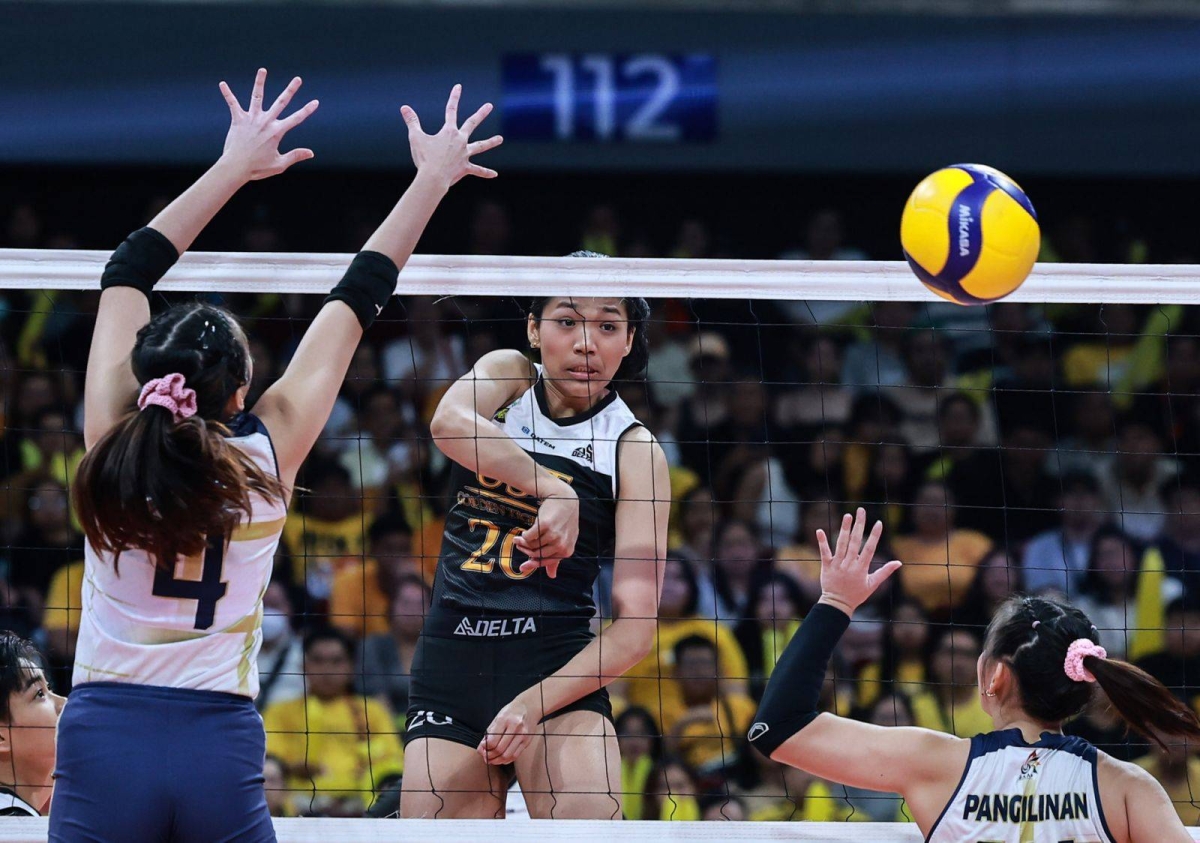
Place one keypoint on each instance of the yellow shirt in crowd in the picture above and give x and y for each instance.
(350, 743)
(963, 720)
(649, 682)
(714, 739)
(938, 574)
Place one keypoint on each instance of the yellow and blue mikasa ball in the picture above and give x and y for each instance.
(970, 234)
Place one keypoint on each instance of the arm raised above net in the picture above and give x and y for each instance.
(297, 406)
(251, 152)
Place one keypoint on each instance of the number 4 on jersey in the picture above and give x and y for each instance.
(206, 591)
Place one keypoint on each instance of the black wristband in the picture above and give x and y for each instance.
(140, 262)
(367, 286)
(794, 692)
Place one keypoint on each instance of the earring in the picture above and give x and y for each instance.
(989, 693)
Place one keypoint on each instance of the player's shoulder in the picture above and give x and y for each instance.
(505, 361)
(637, 443)
(1125, 776)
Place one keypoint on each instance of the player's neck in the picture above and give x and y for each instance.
(563, 407)
(1031, 730)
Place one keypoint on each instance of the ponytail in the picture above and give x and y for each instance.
(1053, 651)
(164, 483)
(1144, 703)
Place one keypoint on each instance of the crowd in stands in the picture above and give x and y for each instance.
(1016, 448)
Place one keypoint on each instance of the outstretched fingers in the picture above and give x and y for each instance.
(868, 552)
(296, 118)
(285, 97)
(410, 119)
(235, 107)
(294, 157)
(472, 122)
(256, 96)
(843, 542)
(484, 145)
(878, 578)
(452, 106)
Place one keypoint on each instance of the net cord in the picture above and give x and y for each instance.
(472, 275)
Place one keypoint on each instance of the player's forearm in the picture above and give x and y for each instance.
(397, 236)
(478, 445)
(612, 653)
(182, 221)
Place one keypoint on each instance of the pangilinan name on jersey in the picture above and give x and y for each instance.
(1028, 808)
(495, 628)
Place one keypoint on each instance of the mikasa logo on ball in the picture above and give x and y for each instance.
(964, 226)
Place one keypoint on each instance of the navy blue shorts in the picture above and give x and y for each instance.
(144, 763)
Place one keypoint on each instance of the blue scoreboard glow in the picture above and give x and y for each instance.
(626, 98)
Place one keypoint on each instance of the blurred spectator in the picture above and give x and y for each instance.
(386, 454)
(275, 785)
(23, 228)
(893, 481)
(649, 683)
(721, 807)
(60, 624)
(903, 667)
(1008, 496)
(641, 749)
(823, 240)
(959, 424)
(15, 615)
(877, 358)
(872, 805)
(1177, 769)
(52, 448)
(1100, 360)
(817, 398)
(1177, 665)
(671, 792)
(46, 543)
(1102, 727)
(762, 495)
(670, 376)
(940, 559)
(339, 747)
(738, 559)
(951, 704)
(326, 524)
(490, 229)
(802, 561)
(706, 409)
(709, 733)
(1180, 542)
(1124, 598)
(777, 606)
(999, 578)
(281, 659)
(362, 378)
(364, 591)
(385, 659)
(423, 364)
(602, 231)
(692, 241)
(1026, 396)
(1091, 439)
(1057, 559)
(929, 378)
(774, 792)
(1132, 484)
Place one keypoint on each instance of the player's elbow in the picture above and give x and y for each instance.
(446, 426)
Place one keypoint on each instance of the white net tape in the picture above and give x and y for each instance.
(244, 272)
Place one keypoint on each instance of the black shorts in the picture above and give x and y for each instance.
(468, 667)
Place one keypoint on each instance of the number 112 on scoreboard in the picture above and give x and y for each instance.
(635, 98)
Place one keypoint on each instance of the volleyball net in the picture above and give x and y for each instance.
(1047, 444)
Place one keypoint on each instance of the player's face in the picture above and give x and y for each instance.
(583, 342)
(31, 730)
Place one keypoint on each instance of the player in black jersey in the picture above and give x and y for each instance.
(553, 475)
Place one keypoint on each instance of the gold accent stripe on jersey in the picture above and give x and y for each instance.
(259, 530)
(88, 667)
(513, 502)
(176, 636)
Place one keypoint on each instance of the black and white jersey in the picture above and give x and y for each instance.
(1013, 791)
(479, 566)
(12, 805)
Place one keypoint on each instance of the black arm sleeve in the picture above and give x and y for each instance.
(367, 286)
(140, 262)
(790, 701)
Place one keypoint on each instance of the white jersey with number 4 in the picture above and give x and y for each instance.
(1017, 792)
(197, 626)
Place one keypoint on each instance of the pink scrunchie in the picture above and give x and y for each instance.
(171, 393)
(1079, 649)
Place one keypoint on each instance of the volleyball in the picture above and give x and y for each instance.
(970, 234)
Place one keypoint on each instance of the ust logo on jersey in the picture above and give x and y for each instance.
(1030, 768)
(584, 453)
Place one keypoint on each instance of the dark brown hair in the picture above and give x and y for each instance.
(163, 486)
(1031, 635)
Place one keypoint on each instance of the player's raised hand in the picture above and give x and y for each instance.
(252, 145)
(447, 154)
(552, 537)
(846, 576)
